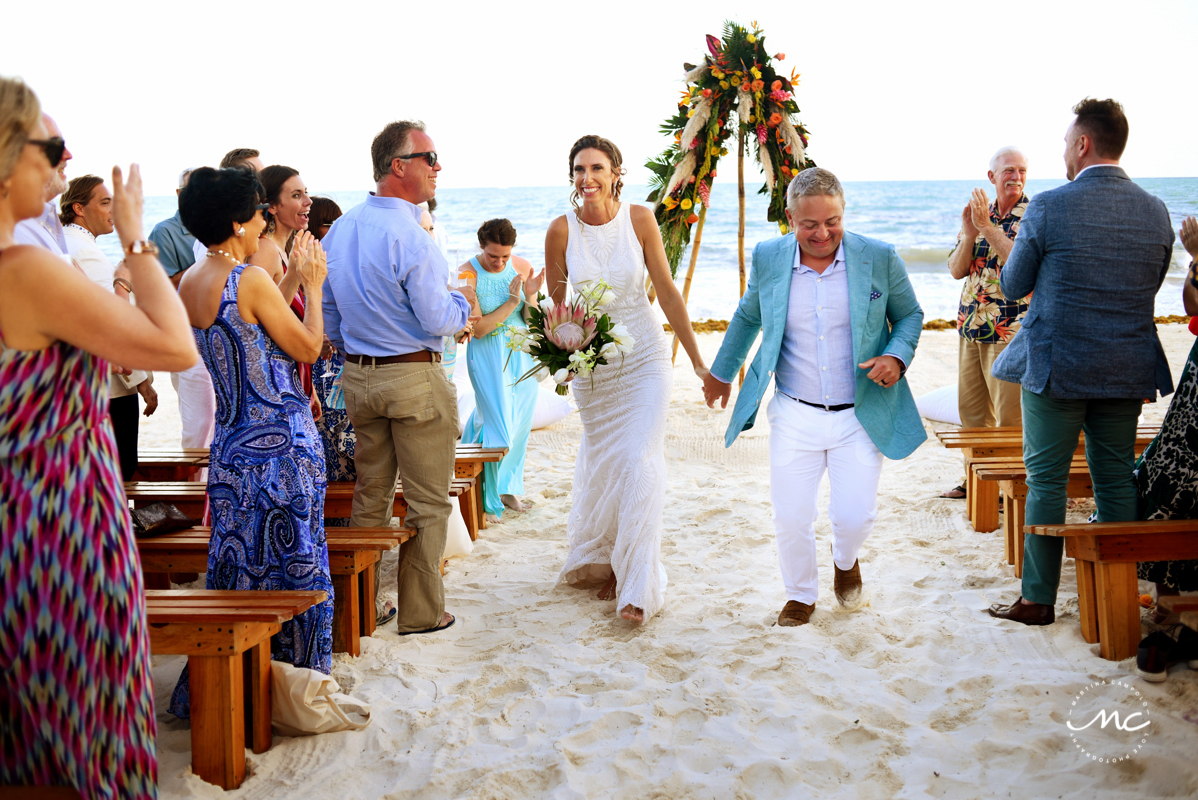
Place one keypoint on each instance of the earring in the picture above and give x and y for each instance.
(241, 230)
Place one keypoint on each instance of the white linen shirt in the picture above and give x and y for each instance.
(81, 245)
(44, 231)
(816, 361)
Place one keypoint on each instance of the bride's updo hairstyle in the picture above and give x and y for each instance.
(609, 149)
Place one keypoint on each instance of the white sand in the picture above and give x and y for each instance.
(540, 691)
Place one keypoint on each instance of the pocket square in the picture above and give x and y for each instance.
(874, 295)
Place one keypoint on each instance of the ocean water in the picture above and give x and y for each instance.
(920, 218)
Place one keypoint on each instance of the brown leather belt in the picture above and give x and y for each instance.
(406, 358)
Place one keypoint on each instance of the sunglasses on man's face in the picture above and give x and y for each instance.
(53, 148)
(429, 157)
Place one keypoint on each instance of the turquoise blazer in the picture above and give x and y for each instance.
(886, 320)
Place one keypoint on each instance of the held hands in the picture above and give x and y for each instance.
(883, 370)
(714, 388)
(127, 204)
(1189, 236)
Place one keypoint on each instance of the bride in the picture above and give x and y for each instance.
(614, 528)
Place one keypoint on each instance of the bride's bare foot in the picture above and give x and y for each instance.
(514, 503)
(608, 592)
(633, 614)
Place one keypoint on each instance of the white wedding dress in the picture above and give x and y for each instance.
(620, 475)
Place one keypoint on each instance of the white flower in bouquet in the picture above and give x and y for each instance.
(547, 304)
(622, 339)
(582, 362)
(609, 351)
(541, 374)
(561, 376)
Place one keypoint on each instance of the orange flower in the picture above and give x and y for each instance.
(776, 86)
(692, 219)
(775, 120)
(707, 92)
(780, 56)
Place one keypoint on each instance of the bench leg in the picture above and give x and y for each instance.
(468, 503)
(366, 600)
(985, 510)
(157, 580)
(257, 696)
(347, 611)
(1019, 540)
(1118, 610)
(1012, 524)
(971, 492)
(1087, 600)
(217, 719)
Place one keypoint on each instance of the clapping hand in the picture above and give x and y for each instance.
(313, 268)
(127, 204)
(513, 289)
(979, 210)
(1189, 236)
(533, 285)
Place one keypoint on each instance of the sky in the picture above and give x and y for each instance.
(889, 91)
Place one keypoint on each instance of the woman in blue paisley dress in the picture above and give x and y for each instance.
(266, 479)
(505, 404)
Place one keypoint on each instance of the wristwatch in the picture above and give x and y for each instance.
(142, 247)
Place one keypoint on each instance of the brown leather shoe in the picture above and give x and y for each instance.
(847, 584)
(1034, 614)
(795, 613)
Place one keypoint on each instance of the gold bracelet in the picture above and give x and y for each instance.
(124, 284)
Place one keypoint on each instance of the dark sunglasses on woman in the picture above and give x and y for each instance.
(53, 148)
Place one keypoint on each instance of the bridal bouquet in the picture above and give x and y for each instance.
(571, 338)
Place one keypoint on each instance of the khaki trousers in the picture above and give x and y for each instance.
(405, 417)
(983, 400)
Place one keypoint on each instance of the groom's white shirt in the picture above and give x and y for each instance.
(816, 361)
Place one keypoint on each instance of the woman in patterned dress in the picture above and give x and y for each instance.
(1166, 474)
(266, 475)
(76, 700)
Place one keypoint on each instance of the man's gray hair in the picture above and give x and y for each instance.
(393, 141)
(183, 176)
(813, 181)
(1004, 151)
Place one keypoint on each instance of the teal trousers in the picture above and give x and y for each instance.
(1050, 430)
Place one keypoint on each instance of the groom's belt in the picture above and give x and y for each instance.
(378, 361)
(841, 407)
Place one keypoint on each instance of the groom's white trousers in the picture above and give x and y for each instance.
(804, 443)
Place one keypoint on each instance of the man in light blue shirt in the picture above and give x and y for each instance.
(176, 245)
(839, 324)
(386, 307)
(46, 230)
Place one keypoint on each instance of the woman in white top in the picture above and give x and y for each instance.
(614, 528)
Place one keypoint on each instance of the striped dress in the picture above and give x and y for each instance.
(76, 701)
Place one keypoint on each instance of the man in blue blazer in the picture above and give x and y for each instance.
(1095, 252)
(839, 323)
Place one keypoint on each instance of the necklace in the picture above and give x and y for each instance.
(214, 252)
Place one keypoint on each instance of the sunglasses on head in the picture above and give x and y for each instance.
(53, 147)
(429, 157)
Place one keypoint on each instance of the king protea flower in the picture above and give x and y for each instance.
(569, 327)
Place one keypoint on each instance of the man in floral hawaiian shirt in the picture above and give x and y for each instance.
(987, 320)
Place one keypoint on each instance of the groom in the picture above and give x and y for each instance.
(839, 323)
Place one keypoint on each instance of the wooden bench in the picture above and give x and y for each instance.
(1184, 605)
(226, 638)
(1009, 475)
(1106, 554)
(982, 500)
(184, 465)
(189, 497)
(353, 552)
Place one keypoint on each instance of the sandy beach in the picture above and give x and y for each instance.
(541, 691)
